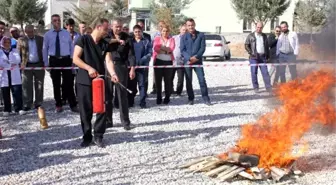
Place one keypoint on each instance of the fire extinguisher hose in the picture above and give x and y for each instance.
(121, 85)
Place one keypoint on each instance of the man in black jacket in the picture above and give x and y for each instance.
(256, 45)
(122, 57)
(272, 43)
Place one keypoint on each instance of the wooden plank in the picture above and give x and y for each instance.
(227, 171)
(246, 175)
(217, 170)
(277, 173)
(198, 160)
(198, 165)
(243, 159)
(232, 174)
(210, 165)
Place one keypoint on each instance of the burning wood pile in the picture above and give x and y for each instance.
(240, 166)
(265, 149)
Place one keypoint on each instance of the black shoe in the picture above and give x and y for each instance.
(85, 143)
(109, 125)
(178, 94)
(116, 106)
(99, 142)
(158, 101)
(131, 105)
(74, 109)
(191, 102)
(26, 109)
(153, 92)
(64, 102)
(128, 127)
(166, 101)
(143, 106)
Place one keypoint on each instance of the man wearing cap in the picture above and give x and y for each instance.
(15, 35)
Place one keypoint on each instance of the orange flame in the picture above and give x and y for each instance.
(304, 102)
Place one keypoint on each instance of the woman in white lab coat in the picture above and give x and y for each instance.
(10, 80)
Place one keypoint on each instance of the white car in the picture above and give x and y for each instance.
(216, 46)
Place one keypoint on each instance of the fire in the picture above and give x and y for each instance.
(304, 102)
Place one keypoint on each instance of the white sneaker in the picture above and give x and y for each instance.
(22, 112)
(5, 113)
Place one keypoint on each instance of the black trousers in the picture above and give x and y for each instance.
(17, 97)
(68, 82)
(64, 97)
(180, 79)
(86, 112)
(132, 85)
(121, 94)
(166, 74)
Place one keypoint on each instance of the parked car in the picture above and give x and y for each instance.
(216, 46)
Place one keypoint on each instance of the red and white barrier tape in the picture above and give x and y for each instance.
(179, 66)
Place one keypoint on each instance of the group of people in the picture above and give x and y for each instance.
(108, 51)
(280, 47)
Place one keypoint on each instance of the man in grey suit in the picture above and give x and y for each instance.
(30, 48)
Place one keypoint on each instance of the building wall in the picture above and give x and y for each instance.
(209, 14)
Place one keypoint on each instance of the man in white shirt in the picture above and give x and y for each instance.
(178, 61)
(57, 52)
(287, 50)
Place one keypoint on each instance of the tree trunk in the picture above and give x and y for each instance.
(21, 24)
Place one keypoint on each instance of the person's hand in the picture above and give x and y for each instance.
(14, 65)
(92, 72)
(114, 78)
(122, 42)
(132, 74)
(193, 59)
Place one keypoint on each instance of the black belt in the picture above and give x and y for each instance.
(61, 57)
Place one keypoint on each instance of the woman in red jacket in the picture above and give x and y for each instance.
(162, 56)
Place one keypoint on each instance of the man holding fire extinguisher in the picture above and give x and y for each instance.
(89, 55)
(122, 56)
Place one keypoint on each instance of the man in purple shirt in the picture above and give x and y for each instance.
(57, 44)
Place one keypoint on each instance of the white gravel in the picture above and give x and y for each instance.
(164, 137)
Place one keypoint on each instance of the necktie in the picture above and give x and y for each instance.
(58, 46)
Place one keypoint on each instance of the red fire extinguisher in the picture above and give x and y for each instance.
(98, 95)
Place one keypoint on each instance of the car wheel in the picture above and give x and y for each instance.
(228, 56)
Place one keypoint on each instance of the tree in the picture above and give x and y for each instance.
(23, 11)
(170, 12)
(118, 7)
(4, 13)
(311, 15)
(259, 10)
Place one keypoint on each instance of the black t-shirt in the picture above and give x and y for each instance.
(123, 54)
(93, 55)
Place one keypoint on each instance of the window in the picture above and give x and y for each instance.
(247, 26)
(213, 37)
(218, 29)
(274, 23)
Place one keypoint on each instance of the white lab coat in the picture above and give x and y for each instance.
(13, 59)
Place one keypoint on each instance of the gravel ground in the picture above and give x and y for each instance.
(164, 137)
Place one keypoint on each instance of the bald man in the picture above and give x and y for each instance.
(122, 56)
(256, 45)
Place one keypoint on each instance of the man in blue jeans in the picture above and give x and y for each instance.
(192, 48)
(256, 45)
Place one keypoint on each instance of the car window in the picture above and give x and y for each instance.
(224, 39)
(213, 37)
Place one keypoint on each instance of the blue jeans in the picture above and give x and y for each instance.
(142, 78)
(200, 75)
(264, 72)
(287, 58)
